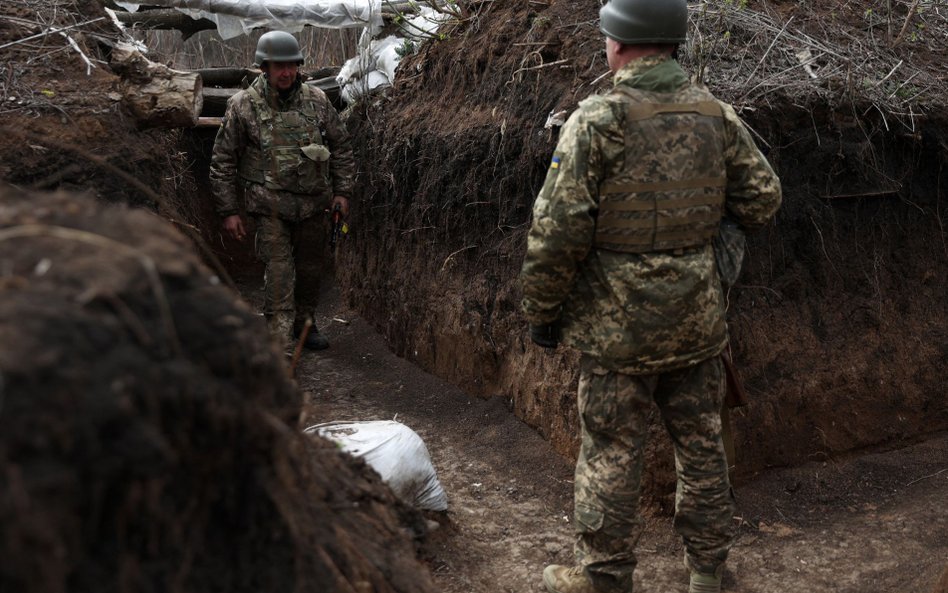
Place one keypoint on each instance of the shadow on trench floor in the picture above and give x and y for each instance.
(875, 522)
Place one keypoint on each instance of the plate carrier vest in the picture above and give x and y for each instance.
(292, 156)
(650, 206)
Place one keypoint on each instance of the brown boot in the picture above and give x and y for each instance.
(566, 579)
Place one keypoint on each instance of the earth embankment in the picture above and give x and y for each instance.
(838, 322)
(148, 427)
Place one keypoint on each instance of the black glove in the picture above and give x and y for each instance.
(546, 335)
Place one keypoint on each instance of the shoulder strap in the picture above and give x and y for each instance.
(259, 103)
(640, 109)
(254, 94)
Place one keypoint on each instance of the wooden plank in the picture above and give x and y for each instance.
(227, 77)
(208, 122)
(215, 99)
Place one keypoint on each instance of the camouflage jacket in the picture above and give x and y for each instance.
(241, 129)
(637, 313)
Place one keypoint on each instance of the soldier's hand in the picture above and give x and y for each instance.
(546, 335)
(343, 205)
(234, 227)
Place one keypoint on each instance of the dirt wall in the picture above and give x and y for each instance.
(838, 321)
(147, 427)
(147, 424)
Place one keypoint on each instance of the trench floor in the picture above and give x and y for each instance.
(873, 522)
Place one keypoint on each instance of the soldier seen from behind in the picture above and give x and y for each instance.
(283, 144)
(620, 266)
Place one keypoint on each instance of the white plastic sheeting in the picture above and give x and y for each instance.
(238, 17)
(396, 452)
(374, 67)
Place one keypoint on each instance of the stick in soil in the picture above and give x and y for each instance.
(938, 473)
(299, 347)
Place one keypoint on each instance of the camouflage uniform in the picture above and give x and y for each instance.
(641, 298)
(290, 155)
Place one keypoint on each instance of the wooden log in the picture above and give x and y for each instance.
(155, 94)
(209, 122)
(227, 77)
(215, 99)
(165, 19)
(240, 77)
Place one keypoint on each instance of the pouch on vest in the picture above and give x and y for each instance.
(313, 169)
(316, 152)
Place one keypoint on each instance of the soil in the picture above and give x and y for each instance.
(871, 522)
(147, 427)
(50, 101)
(838, 324)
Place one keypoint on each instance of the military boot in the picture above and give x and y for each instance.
(314, 339)
(705, 583)
(566, 579)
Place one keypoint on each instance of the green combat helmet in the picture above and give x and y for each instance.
(278, 46)
(645, 21)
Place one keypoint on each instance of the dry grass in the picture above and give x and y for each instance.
(885, 55)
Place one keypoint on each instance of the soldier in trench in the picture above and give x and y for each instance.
(620, 266)
(283, 143)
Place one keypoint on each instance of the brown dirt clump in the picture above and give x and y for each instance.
(838, 321)
(147, 427)
(942, 585)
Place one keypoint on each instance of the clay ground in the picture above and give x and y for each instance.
(875, 522)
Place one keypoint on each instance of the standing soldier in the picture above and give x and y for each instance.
(620, 264)
(284, 144)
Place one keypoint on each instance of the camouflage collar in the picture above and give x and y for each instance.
(272, 95)
(660, 74)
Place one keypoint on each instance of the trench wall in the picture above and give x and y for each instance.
(838, 322)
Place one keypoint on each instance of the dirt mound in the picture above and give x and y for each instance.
(942, 585)
(147, 427)
(61, 122)
(839, 318)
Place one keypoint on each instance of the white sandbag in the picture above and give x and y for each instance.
(396, 452)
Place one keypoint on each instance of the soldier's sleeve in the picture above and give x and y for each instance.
(224, 158)
(342, 162)
(753, 189)
(564, 223)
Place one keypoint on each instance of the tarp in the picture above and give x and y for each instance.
(238, 17)
(373, 67)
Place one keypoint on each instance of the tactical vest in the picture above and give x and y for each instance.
(292, 156)
(670, 193)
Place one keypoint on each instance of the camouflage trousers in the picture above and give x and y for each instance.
(614, 410)
(276, 243)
